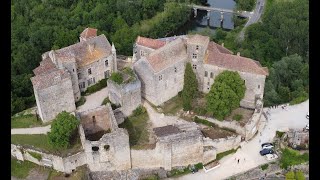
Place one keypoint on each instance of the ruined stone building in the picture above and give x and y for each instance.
(64, 73)
(160, 65)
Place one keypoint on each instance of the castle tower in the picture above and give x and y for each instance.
(114, 56)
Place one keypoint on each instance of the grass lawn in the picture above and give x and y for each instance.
(25, 121)
(21, 169)
(172, 106)
(41, 142)
(137, 129)
(223, 154)
(292, 157)
(79, 174)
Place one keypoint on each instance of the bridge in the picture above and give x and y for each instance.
(244, 14)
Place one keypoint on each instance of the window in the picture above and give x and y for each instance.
(208, 83)
(205, 74)
(89, 71)
(79, 76)
(94, 119)
(82, 85)
(160, 77)
(73, 70)
(197, 47)
(141, 53)
(94, 80)
(258, 86)
(106, 74)
(194, 66)
(211, 75)
(194, 56)
(175, 69)
(90, 81)
(106, 63)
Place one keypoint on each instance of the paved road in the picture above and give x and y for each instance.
(94, 100)
(255, 16)
(293, 117)
(35, 130)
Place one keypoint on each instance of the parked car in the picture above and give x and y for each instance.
(266, 145)
(271, 156)
(307, 116)
(307, 127)
(266, 151)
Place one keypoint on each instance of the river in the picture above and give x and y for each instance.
(200, 22)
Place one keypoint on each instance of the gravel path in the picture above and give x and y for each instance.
(279, 119)
(35, 130)
(94, 100)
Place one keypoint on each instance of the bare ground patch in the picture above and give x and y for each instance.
(246, 115)
(216, 133)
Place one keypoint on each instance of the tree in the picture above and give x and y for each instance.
(225, 94)
(63, 128)
(190, 87)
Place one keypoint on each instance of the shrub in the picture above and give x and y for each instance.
(117, 77)
(290, 175)
(36, 155)
(139, 110)
(279, 134)
(200, 111)
(198, 166)
(299, 175)
(63, 127)
(292, 157)
(105, 101)
(81, 101)
(237, 117)
(96, 87)
(264, 167)
(225, 153)
(204, 122)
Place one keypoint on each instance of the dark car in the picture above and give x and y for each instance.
(266, 144)
(266, 151)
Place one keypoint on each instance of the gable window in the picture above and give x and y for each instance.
(89, 71)
(194, 56)
(160, 77)
(175, 69)
(106, 63)
(194, 66)
(205, 74)
(197, 47)
(211, 75)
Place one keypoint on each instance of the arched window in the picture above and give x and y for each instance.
(211, 75)
(106, 63)
(205, 74)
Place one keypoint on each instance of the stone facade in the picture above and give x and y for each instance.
(83, 64)
(161, 68)
(127, 95)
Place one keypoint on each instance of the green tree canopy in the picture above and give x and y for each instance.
(225, 94)
(63, 128)
(190, 87)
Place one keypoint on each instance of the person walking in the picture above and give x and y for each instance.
(238, 161)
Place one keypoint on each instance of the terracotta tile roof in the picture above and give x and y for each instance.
(233, 62)
(198, 39)
(223, 49)
(85, 52)
(46, 66)
(167, 55)
(88, 33)
(166, 130)
(45, 80)
(150, 43)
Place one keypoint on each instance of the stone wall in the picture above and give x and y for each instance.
(139, 50)
(128, 95)
(224, 144)
(71, 66)
(55, 99)
(254, 84)
(62, 164)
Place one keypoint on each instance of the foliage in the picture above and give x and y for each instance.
(96, 87)
(81, 101)
(288, 81)
(198, 166)
(152, 177)
(105, 101)
(35, 155)
(200, 111)
(190, 87)
(229, 129)
(63, 128)
(41, 141)
(298, 175)
(117, 77)
(25, 121)
(292, 157)
(237, 117)
(225, 94)
(21, 169)
(179, 172)
(245, 5)
(223, 154)
(139, 110)
(137, 129)
(279, 134)
(204, 122)
(264, 167)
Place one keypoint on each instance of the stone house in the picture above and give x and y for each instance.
(161, 68)
(71, 70)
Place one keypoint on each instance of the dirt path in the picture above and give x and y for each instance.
(94, 100)
(279, 119)
(35, 130)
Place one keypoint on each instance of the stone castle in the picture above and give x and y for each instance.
(64, 73)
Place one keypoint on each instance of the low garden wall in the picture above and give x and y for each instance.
(62, 164)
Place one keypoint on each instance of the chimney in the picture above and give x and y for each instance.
(222, 44)
(238, 53)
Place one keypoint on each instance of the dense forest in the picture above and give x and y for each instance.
(38, 26)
